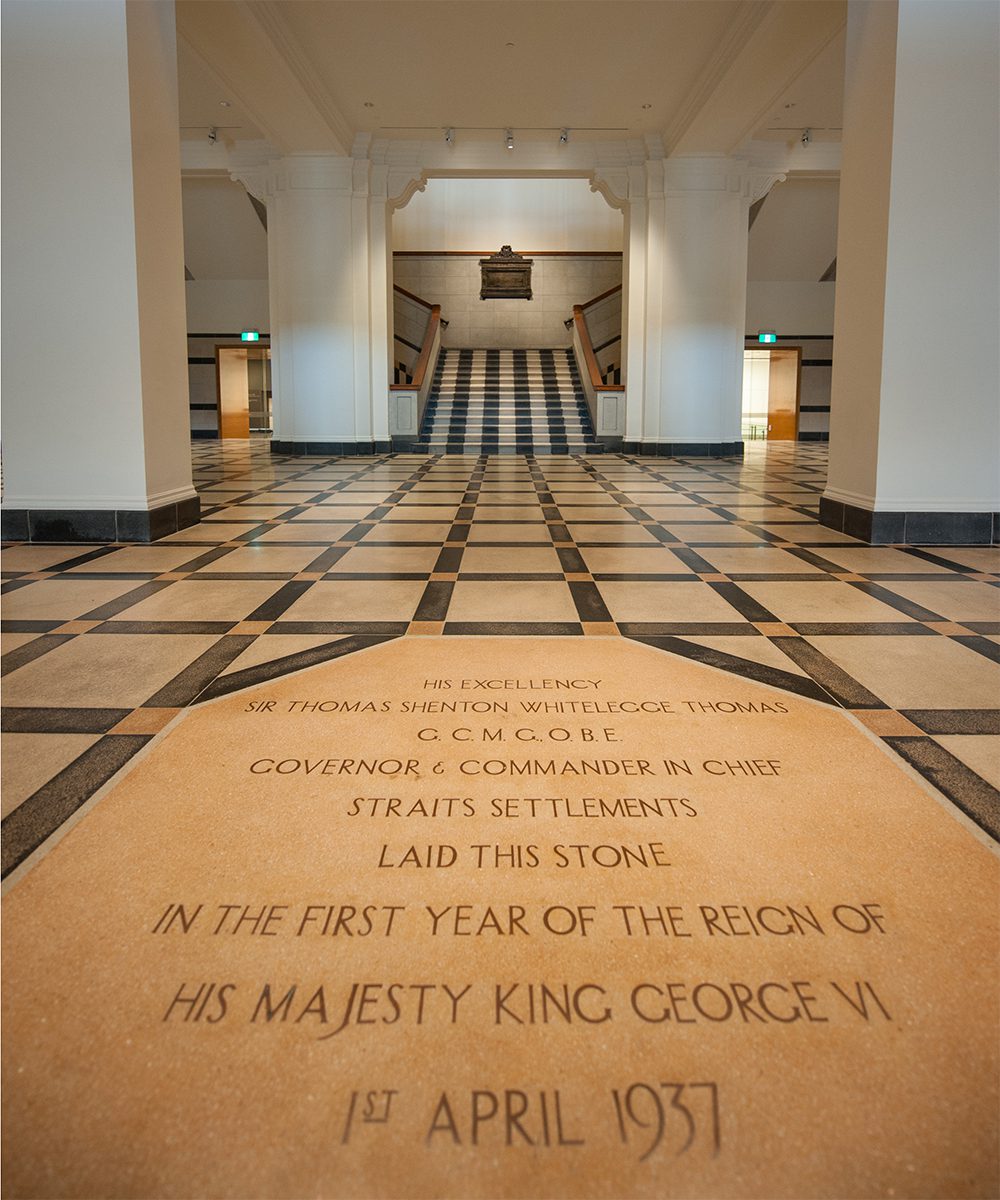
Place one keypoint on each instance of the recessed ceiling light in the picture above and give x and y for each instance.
(647, 106)
(510, 45)
(368, 104)
(790, 105)
(225, 104)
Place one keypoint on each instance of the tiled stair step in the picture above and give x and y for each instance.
(507, 402)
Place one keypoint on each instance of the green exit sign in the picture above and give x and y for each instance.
(250, 335)
(767, 336)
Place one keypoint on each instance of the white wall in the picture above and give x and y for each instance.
(223, 236)
(79, 293)
(227, 305)
(795, 234)
(790, 308)
(481, 215)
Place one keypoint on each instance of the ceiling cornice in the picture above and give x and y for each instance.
(748, 17)
(269, 18)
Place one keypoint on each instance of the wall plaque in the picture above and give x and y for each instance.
(506, 276)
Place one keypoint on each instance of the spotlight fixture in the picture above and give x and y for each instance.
(563, 136)
(510, 139)
(213, 135)
(807, 136)
(449, 136)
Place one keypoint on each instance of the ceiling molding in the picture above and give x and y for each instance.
(749, 16)
(232, 87)
(269, 18)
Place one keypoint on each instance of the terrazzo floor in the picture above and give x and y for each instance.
(298, 561)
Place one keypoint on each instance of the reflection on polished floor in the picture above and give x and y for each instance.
(300, 560)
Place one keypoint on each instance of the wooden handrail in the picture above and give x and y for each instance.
(583, 333)
(602, 296)
(420, 370)
(410, 296)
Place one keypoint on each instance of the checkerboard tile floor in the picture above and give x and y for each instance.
(301, 560)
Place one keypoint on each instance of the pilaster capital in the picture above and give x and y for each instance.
(707, 173)
(249, 164)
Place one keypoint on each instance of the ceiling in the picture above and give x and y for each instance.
(705, 75)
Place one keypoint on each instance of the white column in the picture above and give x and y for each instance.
(696, 255)
(96, 444)
(915, 414)
(320, 266)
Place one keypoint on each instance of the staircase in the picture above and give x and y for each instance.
(507, 402)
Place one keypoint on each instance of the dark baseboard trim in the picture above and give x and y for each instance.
(329, 449)
(814, 435)
(99, 525)
(684, 449)
(911, 528)
(200, 434)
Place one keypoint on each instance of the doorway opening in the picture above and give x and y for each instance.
(771, 380)
(243, 376)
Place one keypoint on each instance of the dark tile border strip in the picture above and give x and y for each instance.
(41, 814)
(943, 721)
(286, 665)
(799, 685)
(61, 720)
(13, 660)
(978, 799)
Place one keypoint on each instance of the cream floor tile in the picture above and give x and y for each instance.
(331, 511)
(712, 532)
(210, 600)
(498, 532)
(11, 641)
(62, 599)
(269, 647)
(408, 531)
(424, 512)
(808, 533)
(517, 559)
(358, 600)
(32, 759)
(584, 532)
(120, 670)
(980, 558)
(764, 560)
(207, 531)
(258, 557)
(152, 559)
(754, 649)
(955, 600)
(587, 513)
(821, 602)
(509, 512)
(916, 672)
(382, 559)
(317, 532)
(982, 754)
(654, 559)
(877, 559)
(666, 602)
(488, 500)
(419, 495)
(38, 558)
(511, 602)
(251, 513)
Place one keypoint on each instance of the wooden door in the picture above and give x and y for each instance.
(783, 395)
(234, 391)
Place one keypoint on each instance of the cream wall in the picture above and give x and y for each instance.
(557, 283)
(481, 215)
